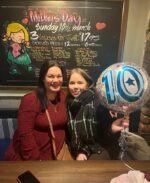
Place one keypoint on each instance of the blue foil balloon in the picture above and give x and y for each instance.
(123, 87)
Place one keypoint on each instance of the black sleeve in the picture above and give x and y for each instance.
(105, 122)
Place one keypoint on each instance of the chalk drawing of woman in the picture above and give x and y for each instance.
(17, 39)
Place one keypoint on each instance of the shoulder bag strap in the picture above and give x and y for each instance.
(52, 133)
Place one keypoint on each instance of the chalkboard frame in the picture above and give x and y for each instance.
(125, 4)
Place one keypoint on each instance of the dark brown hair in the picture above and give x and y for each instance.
(41, 91)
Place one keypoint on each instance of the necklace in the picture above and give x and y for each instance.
(54, 105)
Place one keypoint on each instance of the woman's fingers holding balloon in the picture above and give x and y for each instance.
(117, 125)
(120, 124)
(125, 122)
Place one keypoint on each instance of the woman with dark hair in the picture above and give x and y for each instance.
(32, 140)
(90, 124)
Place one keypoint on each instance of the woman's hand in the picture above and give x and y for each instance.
(81, 157)
(119, 124)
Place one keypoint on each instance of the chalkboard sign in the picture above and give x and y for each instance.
(85, 34)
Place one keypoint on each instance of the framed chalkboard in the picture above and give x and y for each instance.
(86, 34)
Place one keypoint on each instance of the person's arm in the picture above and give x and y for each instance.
(26, 121)
(79, 150)
(107, 123)
(138, 148)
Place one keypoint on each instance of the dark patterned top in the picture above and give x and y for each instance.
(89, 123)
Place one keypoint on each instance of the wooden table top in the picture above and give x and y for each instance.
(69, 171)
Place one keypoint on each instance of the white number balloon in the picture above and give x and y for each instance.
(123, 87)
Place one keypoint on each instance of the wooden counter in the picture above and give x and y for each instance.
(69, 171)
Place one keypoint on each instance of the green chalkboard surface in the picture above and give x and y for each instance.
(86, 34)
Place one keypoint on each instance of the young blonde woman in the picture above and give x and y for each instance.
(90, 124)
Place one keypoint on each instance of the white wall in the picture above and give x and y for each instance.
(133, 50)
(136, 31)
(10, 99)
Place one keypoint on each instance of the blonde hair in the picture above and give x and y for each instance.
(83, 74)
(16, 27)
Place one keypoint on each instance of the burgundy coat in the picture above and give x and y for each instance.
(32, 139)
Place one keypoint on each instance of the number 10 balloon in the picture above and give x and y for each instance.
(123, 87)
